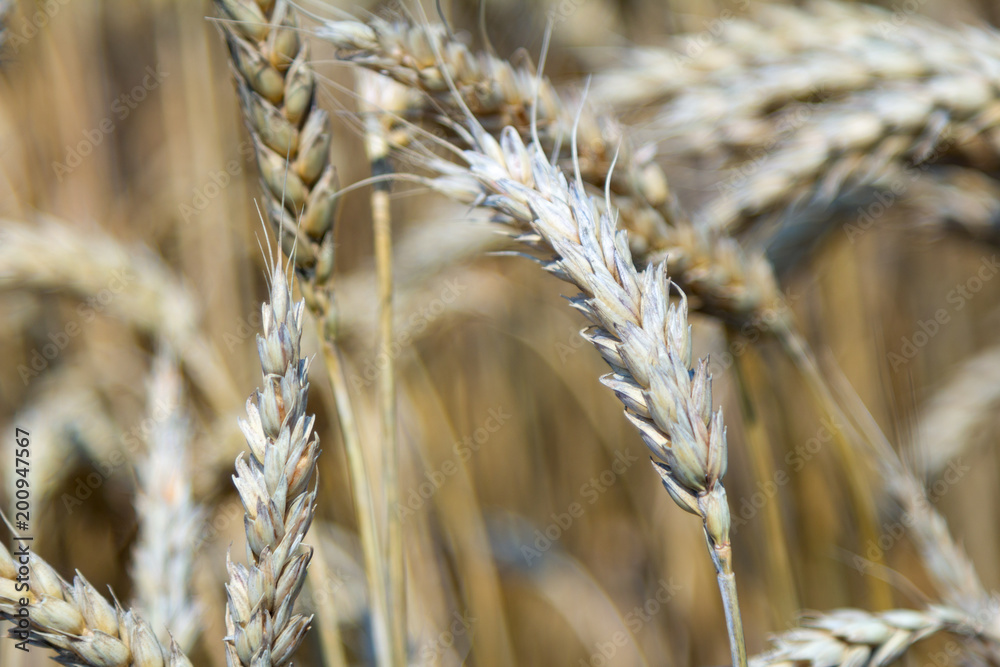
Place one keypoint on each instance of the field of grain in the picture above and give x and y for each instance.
(515, 332)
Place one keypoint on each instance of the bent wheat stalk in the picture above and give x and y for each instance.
(291, 137)
(77, 622)
(644, 337)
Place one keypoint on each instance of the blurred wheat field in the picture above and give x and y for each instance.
(135, 240)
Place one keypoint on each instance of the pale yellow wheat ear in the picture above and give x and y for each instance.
(291, 137)
(169, 520)
(643, 336)
(274, 486)
(75, 620)
(720, 278)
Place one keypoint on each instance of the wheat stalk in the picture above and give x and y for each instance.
(273, 485)
(169, 520)
(643, 337)
(857, 638)
(77, 622)
(291, 137)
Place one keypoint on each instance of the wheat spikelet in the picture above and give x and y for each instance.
(169, 520)
(291, 135)
(273, 485)
(857, 638)
(77, 622)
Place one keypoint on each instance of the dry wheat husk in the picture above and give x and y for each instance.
(78, 623)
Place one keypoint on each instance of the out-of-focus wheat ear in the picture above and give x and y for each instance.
(291, 136)
(274, 484)
(77, 622)
(949, 422)
(856, 638)
(49, 253)
(713, 270)
(169, 520)
(949, 567)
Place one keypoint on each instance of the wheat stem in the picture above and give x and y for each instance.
(377, 148)
(365, 504)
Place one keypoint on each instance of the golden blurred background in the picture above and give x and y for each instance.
(535, 530)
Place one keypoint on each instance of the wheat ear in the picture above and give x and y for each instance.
(273, 483)
(76, 621)
(169, 520)
(291, 137)
(644, 337)
(856, 638)
(290, 133)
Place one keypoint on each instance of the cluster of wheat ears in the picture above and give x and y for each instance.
(797, 112)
